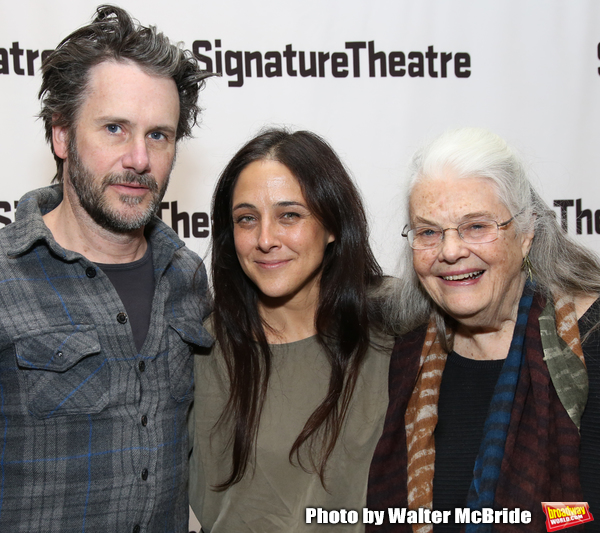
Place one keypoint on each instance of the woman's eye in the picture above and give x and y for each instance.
(290, 216)
(427, 232)
(479, 226)
(244, 219)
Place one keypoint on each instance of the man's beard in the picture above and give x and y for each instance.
(91, 194)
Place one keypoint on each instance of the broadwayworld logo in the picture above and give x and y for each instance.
(361, 57)
(560, 515)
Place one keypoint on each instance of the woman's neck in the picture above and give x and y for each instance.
(488, 335)
(494, 342)
(288, 322)
(484, 343)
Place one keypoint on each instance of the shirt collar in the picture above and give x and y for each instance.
(30, 228)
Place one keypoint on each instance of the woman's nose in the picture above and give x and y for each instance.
(268, 237)
(452, 247)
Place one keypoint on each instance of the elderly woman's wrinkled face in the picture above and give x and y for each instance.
(477, 284)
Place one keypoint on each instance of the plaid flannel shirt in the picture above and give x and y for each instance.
(93, 432)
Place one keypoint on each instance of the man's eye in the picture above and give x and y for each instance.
(157, 135)
(113, 128)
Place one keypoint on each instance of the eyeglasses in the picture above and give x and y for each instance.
(472, 232)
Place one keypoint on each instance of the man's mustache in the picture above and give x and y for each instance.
(145, 180)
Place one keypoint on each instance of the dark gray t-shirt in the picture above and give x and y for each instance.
(134, 283)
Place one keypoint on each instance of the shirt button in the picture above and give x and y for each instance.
(136, 529)
(144, 420)
(142, 366)
(145, 474)
(122, 318)
(90, 272)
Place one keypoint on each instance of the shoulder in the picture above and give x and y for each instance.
(588, 309)
(585, 303)
(28, 227)
(410, 342)
(165, 240)
(405, 359)
(211, 380)
(171, 253)
(210, 360)
(379, 351)
(589, 330)
(381, 340)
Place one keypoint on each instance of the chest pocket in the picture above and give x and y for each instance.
(63, 371)
(185, 339)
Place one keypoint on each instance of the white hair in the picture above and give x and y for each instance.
(560, 265)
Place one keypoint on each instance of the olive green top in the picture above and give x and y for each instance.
(273, 496)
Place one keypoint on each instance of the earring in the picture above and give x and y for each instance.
(527, 267)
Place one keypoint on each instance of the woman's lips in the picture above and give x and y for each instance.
(270, 265)
(463, 276)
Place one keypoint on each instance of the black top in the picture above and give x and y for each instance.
(465, 394)
(134, 283)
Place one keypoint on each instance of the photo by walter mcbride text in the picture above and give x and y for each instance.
(402, 515)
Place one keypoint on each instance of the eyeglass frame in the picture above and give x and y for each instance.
(499, 225)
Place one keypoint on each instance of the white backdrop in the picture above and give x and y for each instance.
(533, 77)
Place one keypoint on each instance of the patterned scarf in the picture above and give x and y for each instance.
(528, 400)
(491, 450)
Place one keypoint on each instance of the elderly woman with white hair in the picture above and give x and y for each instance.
(495, 389)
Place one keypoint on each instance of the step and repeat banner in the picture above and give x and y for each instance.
(376, 78)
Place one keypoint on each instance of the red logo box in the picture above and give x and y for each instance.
(560, 515)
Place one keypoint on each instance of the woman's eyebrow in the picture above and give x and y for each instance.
(243, 205)
(478, 214)
(288, 203)
(282, 203)
(468, 216)
(421, 220)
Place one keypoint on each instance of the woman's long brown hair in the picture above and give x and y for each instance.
(348, 270)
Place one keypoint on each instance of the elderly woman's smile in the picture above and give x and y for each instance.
(480, 283)
(470, 276)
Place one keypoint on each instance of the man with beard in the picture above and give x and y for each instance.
(102, 303)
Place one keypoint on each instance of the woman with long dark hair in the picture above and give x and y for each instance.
(291, 400)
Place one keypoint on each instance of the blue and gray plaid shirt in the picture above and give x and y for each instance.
(93, 434)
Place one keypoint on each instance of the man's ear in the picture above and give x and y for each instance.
(60, 141)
